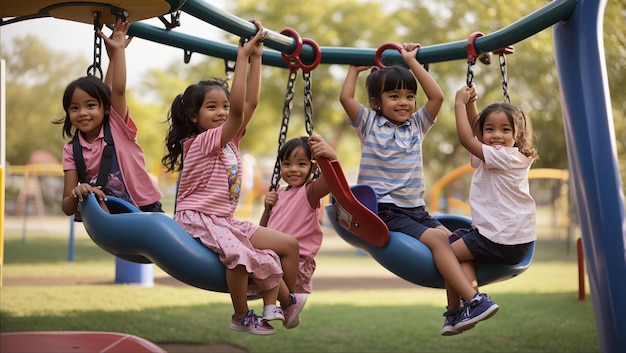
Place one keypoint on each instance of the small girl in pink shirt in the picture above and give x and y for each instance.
(294, 209)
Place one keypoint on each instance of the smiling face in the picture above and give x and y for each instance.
(397, 105)
(295, 170)
(498, 130)
(214, 110)
(86, 114)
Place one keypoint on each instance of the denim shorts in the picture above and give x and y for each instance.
(484, 250)
(411, 221)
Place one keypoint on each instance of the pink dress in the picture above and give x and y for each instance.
(294, 215)
(207, 197)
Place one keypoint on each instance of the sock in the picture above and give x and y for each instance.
(293, 301)
(268, 310)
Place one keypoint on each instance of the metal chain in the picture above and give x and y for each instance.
(308, 110)
(470, 74)
(287, 105)
(95, 69)
(308, 103)
(505, 84)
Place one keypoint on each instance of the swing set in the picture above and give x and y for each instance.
(145, 237)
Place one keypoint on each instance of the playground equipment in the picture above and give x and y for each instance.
(587, 113)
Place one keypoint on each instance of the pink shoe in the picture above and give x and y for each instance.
(276, 314)
(292, 311)
(251, 323)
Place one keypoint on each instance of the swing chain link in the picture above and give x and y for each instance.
(505, 84)
(470, 74)
(308, 103)
(282, 137)
(95, 69)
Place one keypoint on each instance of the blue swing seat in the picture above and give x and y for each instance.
(408, 257)
(152, 237)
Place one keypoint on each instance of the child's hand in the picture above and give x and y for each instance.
(117, 40)
(466, 95)
(359, 68)
(320, 148)
(249, 45)
(270, 199)
(85, 189)
(409, 51)
(258, 46)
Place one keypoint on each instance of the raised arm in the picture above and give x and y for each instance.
(254, 76)
(319, 188)
(115, 47)
(350, 104)
(235, 121)
(463, 128)
(472, 112)
(433, 92)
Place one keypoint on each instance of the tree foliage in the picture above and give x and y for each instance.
(37, 76)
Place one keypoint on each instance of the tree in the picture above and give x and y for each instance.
(36, 78)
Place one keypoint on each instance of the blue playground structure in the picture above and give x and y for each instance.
(585, 98)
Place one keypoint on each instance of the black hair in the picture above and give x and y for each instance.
(388, 79)
(298, 142)
(95, 88)
(184, 107)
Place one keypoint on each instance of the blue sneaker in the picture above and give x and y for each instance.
(480, 308)
(451, 316)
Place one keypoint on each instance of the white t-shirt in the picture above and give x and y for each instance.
(502, 208)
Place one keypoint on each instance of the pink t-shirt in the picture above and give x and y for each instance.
(501, 206)
(130, 156)
(293, 215)
(211, 177)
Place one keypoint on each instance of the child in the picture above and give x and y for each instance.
(391, 162)
(294, 209)
(207, 124)
(503, 211)
(92, 108)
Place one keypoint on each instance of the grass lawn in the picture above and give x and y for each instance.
(539, 310)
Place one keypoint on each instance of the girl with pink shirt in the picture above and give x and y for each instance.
(294, 209)
(500, 140)
(207, 123)
(92, 109)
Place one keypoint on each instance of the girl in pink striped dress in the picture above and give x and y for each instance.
(207, 122)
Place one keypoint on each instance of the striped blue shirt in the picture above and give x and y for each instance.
(391, 156)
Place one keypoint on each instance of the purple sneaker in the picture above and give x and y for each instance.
(480, 308)
(251, 323)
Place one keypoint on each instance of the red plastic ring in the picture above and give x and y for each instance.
(292, 59)
(472, 54)
(381, 49)
(506, 50)
(316, 60)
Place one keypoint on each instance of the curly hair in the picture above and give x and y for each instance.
(522, 127)
(184, 107)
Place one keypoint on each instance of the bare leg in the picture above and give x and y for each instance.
(285, 246)
(447, 263)
(237, 281)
